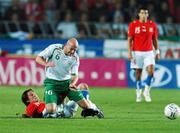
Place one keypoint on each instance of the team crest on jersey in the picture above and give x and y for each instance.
(143, 28)
(150, 29)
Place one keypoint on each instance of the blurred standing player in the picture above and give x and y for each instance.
(61, 66)
(142, 36)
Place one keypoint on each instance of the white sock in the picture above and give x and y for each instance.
(60, 108)
(93, 106)
(44, 113)
(52, 115)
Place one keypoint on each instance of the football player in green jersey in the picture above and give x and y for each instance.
(61, 67)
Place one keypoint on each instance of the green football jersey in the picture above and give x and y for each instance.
(65, 65)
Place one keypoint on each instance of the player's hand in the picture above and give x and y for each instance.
(158, 56)
(50, 64)
(73, 87)
(130, 56)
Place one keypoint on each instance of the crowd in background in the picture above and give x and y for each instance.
(84, 18)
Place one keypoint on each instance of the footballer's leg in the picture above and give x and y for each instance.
(137, 65)
(93, 106)
(138, 85)
(90, 110)
(51, 110)
(149, 62)
(147, 87)
(51, 103)
(82, 102)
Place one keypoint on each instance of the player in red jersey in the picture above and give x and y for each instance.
(142, 40)
(37, 109)
(34, 107)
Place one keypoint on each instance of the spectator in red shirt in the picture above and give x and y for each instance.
(142, 34)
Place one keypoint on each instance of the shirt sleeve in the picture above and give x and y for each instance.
(130, 30)
(41, 107)
(46, 53)
(155, 34)
(30, 109)
(35, 110)
(75, 67)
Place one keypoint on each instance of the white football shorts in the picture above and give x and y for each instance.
(142, 59)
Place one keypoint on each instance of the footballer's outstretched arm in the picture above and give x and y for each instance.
(43, 62)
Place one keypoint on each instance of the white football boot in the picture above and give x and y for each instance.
(138, 95)
(146, 94)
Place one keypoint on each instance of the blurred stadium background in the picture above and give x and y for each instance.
(29, 26)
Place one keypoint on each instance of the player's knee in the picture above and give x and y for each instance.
(51, 108)
(83, 86)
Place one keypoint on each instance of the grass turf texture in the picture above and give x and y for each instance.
(122, 113)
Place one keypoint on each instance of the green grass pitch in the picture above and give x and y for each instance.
(122, 113)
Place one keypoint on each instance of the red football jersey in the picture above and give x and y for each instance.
(35, 108)
(142, 33)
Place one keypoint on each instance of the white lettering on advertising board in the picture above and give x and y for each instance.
(22, 75)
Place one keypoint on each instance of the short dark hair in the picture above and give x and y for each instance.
(142, 8)
(25, 98)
